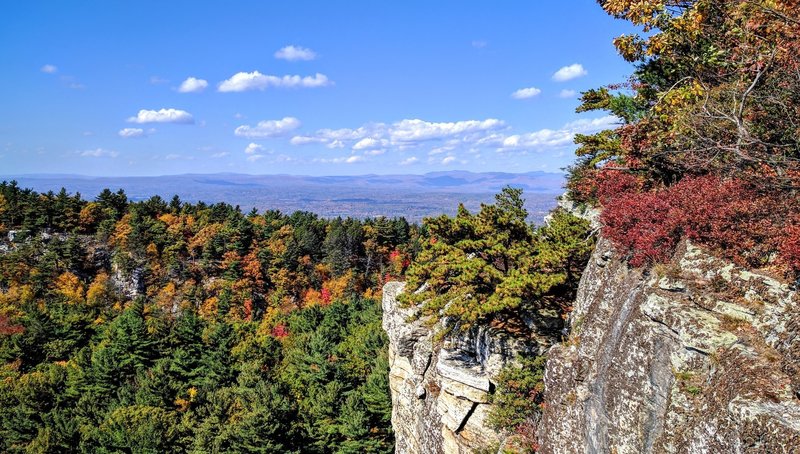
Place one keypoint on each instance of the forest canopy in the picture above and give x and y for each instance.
(160, 326)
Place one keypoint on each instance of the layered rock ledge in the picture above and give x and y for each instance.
(441, 387)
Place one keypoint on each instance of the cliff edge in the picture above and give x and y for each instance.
(697, 355)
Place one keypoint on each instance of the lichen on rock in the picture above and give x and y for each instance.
(695, 356)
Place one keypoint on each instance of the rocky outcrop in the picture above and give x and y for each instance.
(695, 356)
(441, 383)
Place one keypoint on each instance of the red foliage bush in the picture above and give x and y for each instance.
(610, 183)
(326, 296)
(733, 217)
(280, 331)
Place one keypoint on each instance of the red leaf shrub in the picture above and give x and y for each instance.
(280, 331)
(611, 183)
(326, 296)
(643, 225)
(732, 217)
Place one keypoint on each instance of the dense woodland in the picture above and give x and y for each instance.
(175, 327)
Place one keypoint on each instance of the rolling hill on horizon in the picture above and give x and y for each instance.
(412, 196)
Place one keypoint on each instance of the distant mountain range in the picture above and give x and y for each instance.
(412, 196)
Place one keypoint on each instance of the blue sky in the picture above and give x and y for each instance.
(314, 88)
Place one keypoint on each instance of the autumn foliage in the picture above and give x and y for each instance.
(708, 145)
(731, 216)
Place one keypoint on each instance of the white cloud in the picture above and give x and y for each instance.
(548, 138)
(268, 128)
(162, 116)
(130, 133)
(243, 81)
(255, 157)
(594, 124)
(409, 161)
(569, 72)
(294, 53)
(99, 153)
(411, 131)
(403, 134)
(305, 140)
(444, 140)
(567, 93)
(352, 159)
(525, 93)
(368, 142)
(221, 154)
(253, 147)
(193, 85)
(49, 69)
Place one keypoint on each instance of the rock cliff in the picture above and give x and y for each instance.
(695, 356)
(441, 378)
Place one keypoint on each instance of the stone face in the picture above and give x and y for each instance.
(441, 392)
(701, 357)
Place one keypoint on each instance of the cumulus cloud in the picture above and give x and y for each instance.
(193, 85)
(295, 53)
(268, 128)
(567, 93)
(243, 81)
(130, 133)
(368, 142)
(412, 131)
(255, 157)
(444, 140)
(403, 134)
(98, 153)
(162, 116)
(409, 161)
(49, 69)
(549, 138)
(569, 72)
(525, 93)
(253, 148)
